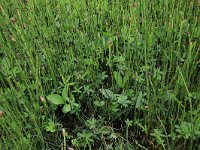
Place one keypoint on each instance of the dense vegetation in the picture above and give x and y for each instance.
(103, 74)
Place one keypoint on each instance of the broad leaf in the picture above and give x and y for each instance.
(66, 108)
(65, 93)
(55, 99)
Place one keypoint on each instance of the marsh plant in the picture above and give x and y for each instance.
(100, 74)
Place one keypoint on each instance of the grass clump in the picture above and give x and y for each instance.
(99, 74)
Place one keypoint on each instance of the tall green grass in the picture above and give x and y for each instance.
(132, 66)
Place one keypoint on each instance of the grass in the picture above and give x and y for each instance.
(99, 74)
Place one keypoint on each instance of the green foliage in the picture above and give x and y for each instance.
(84, 139)
(158, 134)
(113, 74)
(55, 99)
(69, 103)
(50, 126)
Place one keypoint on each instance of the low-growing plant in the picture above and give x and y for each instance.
(116, 74)
(68, 101)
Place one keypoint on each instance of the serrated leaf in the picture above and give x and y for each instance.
(66, 108)
(50, 126)
(55, 99)
(140, 100)
(122, 98)
(107, 93)
(114, 107)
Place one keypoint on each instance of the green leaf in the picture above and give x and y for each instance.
(55, 99)
(66, 108)
(99, 103)
(123, 100)
(140, 100)
(65, 93)
(50, 126)
(107, 93)
(118, 79)
(138, 103)
(114, 107)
